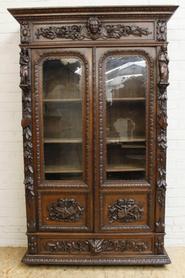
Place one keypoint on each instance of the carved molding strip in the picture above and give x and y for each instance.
(94, 29)
(96, 246)
(125, 210)
(65, 210)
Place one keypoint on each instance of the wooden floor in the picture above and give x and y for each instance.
(11, 267)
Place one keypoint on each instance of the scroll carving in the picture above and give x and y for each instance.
(161, 30)
(96, 246)
(65, 210)
(94, 29)
(25, 32)
(125, 210)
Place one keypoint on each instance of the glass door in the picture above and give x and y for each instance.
(125, 92)
(63, 88)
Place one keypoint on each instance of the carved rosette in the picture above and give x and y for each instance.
(32, 244)
(96, 246)
(125, 210)
(161, 135)
(24, 32)
(161, 30)
(94, 29)
(65, 210)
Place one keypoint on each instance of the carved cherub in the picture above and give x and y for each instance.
(24, 62)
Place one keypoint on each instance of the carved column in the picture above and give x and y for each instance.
(25, 85)
(161, 145)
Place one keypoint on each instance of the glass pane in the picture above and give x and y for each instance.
(62, 111)
(125, 79)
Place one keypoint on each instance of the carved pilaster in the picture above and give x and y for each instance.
(25, 85)
(161, 136)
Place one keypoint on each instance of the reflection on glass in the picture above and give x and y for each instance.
(62, 111)
(125, 79)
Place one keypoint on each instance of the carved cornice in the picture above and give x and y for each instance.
(94, 29)
(125, 210)
(24, 32)
(96, 246)
(67, 210)
(161, 30)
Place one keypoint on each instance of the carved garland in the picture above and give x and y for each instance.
(38, 69)
(125, 210)
(66, 210)
(25, 85)
(161, 132)
(94, 29)
(96, 246)
(101, 109)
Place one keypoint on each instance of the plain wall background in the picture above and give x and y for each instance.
(12, 202)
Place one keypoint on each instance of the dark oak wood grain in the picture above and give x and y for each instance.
(108, 206)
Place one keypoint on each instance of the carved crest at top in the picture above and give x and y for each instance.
(94, 29)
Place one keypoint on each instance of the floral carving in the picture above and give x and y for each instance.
(159, 245)
(161, 30)
(65, 210)
(96, 246)
(25, 32)
(162, 142)
(125, 210)
(94, 29)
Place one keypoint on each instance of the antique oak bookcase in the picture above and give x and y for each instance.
(94, 121)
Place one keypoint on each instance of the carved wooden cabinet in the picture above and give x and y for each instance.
(94, 124)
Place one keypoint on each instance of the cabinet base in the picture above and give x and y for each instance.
(127, 260)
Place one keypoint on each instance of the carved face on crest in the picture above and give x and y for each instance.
(94, 25)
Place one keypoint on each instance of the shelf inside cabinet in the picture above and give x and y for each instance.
(112, 140)
(64, 100)
(120, 99)
(63, 140)
(61, 169)
(125, 168)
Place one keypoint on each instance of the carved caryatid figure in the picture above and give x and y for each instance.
(163, 65)
(24, 64)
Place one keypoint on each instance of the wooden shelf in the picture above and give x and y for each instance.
(126, 168)
(78, 100)
(126, 99)
(60, 170)
(125, 139)
(63, 140)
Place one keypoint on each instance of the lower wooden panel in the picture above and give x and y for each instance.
(100, 249)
